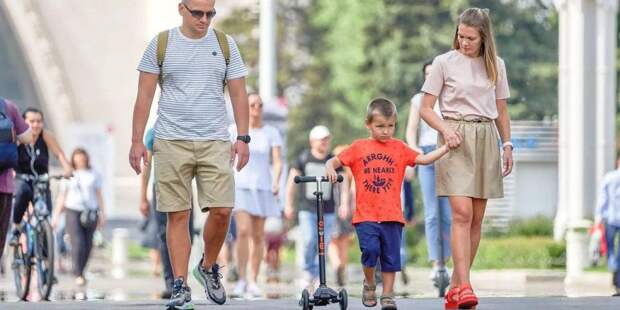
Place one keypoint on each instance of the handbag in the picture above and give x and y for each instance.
(88, 217)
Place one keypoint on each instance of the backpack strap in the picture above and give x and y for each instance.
(162, 44)
(223, 42)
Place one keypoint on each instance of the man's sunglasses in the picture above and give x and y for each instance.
(197, 14)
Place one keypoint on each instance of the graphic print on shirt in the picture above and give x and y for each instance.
(379, 172)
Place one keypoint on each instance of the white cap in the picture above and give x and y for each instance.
(319, 132)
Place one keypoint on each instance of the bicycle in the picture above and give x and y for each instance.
(38, 248)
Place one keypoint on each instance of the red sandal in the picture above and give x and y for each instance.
(451, 299)
(467, 299)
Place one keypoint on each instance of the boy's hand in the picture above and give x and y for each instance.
(331, 174)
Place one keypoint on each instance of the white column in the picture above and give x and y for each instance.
(577, 119)
(605, 86)
(267, 52)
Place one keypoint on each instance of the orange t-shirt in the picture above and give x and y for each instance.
(378, 169)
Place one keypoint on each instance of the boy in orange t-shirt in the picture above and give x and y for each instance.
(378, 165)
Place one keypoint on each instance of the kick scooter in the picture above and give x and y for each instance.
(323, 295)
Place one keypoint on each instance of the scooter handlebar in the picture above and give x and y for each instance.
(309, 178)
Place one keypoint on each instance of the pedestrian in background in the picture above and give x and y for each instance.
(422, 137)
(256, 190)
(23, 135)
(608, 213)
(76, 198)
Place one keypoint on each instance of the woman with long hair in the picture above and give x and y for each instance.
(472, 87)
(77, 196)
(257, 187)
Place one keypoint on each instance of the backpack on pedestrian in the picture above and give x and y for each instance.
(8, 147)
(162, 45)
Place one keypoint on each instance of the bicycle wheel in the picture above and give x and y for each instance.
(44, 250)
(21, 271)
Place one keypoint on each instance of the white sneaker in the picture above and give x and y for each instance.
(253, 290)
(240, 288)
(433, 273)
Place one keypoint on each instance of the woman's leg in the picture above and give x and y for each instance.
(242, 246)
(258, 246)
(76, 239)
(479, 206)
(88, 234)
(462, 215)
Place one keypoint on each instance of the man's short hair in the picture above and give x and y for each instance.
(380, 106)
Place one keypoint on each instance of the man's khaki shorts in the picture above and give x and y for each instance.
(177, 162)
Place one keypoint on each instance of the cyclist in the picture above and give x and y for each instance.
(40, 145)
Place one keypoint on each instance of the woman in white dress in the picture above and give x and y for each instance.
(256, 189)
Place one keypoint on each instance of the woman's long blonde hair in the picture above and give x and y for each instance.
(479, 19)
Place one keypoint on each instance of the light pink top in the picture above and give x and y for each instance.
(463, 87)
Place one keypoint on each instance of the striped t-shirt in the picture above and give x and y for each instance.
(192, 105)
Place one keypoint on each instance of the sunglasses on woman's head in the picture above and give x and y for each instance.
(199, 14)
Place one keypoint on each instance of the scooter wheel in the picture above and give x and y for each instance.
(343, 299)
(305, 300)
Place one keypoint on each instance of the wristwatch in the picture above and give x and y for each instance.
(244, 138)
(508, 143)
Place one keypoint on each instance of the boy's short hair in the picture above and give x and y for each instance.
(381, 106)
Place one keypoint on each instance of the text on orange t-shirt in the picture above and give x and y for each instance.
(378, 169)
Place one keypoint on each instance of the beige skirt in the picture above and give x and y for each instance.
(474, 168)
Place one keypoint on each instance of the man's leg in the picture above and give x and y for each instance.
(215, 230)
(179, 246)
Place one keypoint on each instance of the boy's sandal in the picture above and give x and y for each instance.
(467, 298)
(388, 303)
(369, 297)
(451, 298)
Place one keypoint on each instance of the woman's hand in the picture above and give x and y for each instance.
(275, 188)
(102, 219)
(507, 159)
(452, 138)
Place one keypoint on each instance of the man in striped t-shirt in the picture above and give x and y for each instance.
(191, 139)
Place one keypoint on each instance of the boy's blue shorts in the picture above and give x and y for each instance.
(380, 241)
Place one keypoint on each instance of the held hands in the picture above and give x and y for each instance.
(137, 154)
(452, 138)
(240, 150)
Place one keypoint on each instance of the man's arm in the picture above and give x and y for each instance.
(54, 146)
(147, 85)
(239, 99)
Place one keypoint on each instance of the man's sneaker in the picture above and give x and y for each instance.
(181, 296)
(210, 280)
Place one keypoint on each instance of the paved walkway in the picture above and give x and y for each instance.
(547, 303)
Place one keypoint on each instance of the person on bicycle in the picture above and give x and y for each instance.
(7, 183)
(33, 157)
(77, 195)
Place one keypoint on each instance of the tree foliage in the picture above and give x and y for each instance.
(338, 55)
